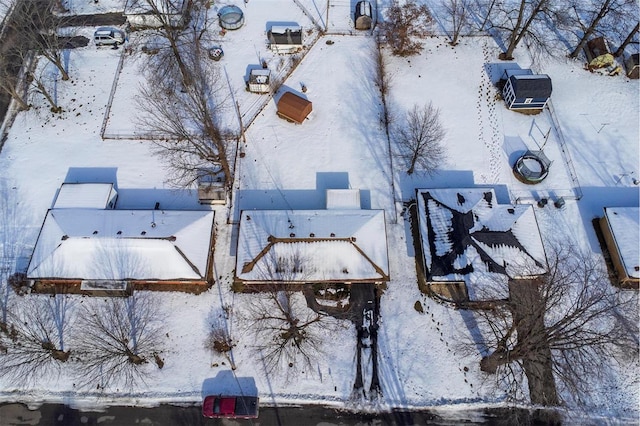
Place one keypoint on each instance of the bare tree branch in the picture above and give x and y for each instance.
(186, 121)
(404, 25)
(419, 139)
(569, 320)
(117, 339)
(37, 338)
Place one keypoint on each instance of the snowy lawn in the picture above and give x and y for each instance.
(342, 145)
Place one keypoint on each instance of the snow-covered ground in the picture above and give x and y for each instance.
(287, 166)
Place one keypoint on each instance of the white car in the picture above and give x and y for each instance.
(107, 36)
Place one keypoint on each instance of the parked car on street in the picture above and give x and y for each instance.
(230, 407)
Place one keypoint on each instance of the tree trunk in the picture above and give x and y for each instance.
(521, 29)
(626, 41)
(491, 362)
(412, 165)
(45, 93)
(601, 14)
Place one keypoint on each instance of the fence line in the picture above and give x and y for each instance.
(114, 87)
(309, 15)
(565, 151)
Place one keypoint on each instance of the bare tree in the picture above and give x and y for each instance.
(117, 339)
(38, 28)
(288, 334)
(38, 333)
(169, 18)
(383, 80)
(419, 139)
(590, 17)
(404, 25)
(518, 22)
(628, 40)
(41, 80)
(559, 328)
(187, 122)
(13, 80)
(458, 15)
(219, 340)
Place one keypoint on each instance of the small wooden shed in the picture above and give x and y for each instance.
(363, 16)
(294, 108)
(633, 66)
(525, 90)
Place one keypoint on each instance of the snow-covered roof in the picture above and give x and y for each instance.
(624, 223)
(465, 232)
(84, 195)
(312, 246)
(343, 198)
(94, 244)
(531, 85)
(282, 29)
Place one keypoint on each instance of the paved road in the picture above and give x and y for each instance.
(166, 415)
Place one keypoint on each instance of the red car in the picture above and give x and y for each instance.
(230, 407)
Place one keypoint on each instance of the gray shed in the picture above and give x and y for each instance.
(525, 90)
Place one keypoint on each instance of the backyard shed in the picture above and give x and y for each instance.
(525, 90)
(293, 107)
(259, 81)
(594, 49)
(231, 17)
(633, 66)
(285, 38)
(363, 16)
(620, 228)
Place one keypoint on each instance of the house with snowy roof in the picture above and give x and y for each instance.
(109, 251)
(296, 247)
(472, 246)
(620, 228)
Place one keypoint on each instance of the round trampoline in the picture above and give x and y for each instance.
(231, 17)
(532, 167)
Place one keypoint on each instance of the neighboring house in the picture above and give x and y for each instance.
(259, 80)
(293, 108)
(525, 90)
(621, 232)
(111, 251)
(632, 65)
(285, 38)
(472, 246)
(295, 247)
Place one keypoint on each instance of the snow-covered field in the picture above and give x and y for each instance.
(287, 166)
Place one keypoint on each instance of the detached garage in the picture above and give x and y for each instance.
(620, 228)
(294, 108)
